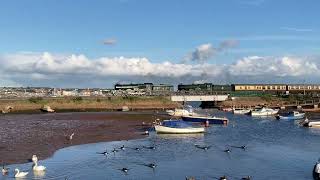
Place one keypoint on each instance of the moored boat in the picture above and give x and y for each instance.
(241, 111)
(47, 108)
(178, 112)
(177, 127)
(204, 119)
(264, 112)
(311, 124)
(187, 110)
(226, 109)
(293, 115)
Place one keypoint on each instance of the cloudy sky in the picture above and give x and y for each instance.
(98, 43)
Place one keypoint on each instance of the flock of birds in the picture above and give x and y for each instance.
(39, 168)
(122, 148)
(153, 165)
(18, 174)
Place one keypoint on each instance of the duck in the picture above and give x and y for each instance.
(227, 150)
(149, 147)
(5, 170)
(151, 165)
(203, 147)
(125, 170)
(104, 153)
(114, 150)
(20, 174)
(223, 178)
(38, 168)
(122, 148)
(244, 147)
(246, 178)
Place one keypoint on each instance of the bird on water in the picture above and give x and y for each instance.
(202, 147)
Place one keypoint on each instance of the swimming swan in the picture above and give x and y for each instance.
(38, 168)
(20, 174)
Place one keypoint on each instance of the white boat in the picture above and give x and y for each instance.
(241, 111)
(264, 112)
(293, 115)
(47, 108)
(178, 112)
(307, 123)
(187, 111)
(177, 127)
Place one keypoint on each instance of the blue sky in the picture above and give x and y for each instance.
(159, 30)
(162, 30)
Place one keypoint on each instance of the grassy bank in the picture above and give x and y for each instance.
(267, 100)
(80, 103)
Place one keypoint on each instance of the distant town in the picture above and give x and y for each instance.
(150, 89)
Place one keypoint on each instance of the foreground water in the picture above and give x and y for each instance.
(275, 150)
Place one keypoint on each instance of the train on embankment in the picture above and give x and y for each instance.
(266, 88)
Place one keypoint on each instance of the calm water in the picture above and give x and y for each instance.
(276, 150)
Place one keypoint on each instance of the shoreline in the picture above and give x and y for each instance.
(23, 135)
(80, 104)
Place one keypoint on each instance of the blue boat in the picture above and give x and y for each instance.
(204, 119)
(293, 115)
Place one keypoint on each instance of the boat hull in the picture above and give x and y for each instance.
(312, 124)
(211, 120)
(243, 111)
(169, 130)
(266, 113)
(291, 117)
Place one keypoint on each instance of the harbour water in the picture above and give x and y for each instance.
(275, 150)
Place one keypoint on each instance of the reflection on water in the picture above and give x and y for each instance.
(275, 150)
(185, 137)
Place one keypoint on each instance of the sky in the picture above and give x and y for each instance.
(97, 43)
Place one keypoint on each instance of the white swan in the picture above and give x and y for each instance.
(38, 168)
(20, 174)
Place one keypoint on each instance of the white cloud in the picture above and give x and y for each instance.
(46, 69)
(274, 66)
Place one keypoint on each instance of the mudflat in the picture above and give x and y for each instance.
(22, 135)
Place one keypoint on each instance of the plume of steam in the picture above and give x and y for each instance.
(206, 51)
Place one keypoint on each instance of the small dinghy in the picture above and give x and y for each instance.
(47, 109)
(311, 124)
(241, 111)
(177, 127)
(293, 115)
